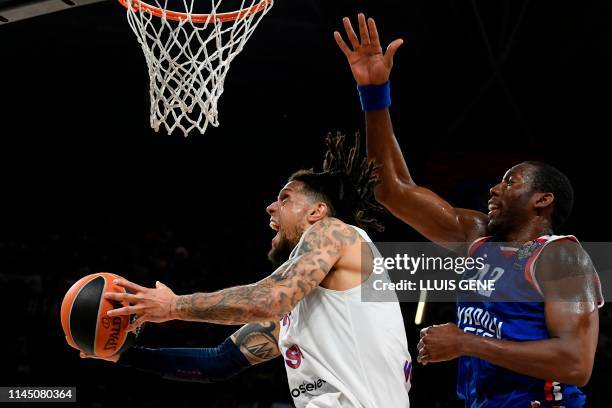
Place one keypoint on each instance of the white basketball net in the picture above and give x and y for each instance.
(188, 60)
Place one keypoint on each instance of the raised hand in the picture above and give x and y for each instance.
(365, 56)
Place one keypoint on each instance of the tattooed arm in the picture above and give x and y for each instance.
(258, 341)
(319, 249)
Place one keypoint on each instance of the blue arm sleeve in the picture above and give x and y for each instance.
(188, 364)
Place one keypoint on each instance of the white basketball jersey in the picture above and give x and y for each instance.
(340, 352)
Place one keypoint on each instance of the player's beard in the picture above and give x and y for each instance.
(507, 222)
(280, 253)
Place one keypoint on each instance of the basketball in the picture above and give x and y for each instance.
(84, 319)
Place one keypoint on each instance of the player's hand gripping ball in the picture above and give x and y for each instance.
(84, 320)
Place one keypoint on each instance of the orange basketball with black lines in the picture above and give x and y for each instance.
(84, 319)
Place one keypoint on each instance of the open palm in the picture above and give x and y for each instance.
(365, 56)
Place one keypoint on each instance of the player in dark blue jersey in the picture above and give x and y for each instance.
(536, 348)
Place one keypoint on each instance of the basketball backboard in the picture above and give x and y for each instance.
(15, 10)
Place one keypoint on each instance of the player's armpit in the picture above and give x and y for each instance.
(258, 341)
(433, 217)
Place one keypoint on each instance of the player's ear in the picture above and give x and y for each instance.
(317, 212)
(543, 200)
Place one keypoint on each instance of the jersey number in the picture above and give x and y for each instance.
(494, 276)
(293, 356)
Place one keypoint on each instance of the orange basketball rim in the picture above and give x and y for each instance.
(138, 5)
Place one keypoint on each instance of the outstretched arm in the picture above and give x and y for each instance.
(254, 343)
(417, 206)
(318, 251)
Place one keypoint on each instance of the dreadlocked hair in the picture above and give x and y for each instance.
(346, 183)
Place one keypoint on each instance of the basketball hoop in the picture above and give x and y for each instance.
(188, 56)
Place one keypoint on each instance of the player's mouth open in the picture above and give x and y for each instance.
(493, 210)
(274, 225)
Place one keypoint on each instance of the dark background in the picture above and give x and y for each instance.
(87, 186)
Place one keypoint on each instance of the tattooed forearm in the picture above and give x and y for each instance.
(237, 305)
(318, 251)
(258, 341)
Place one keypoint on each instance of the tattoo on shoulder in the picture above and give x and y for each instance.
(317, 252)
(329, 235)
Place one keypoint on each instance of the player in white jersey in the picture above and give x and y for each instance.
(367, 363)
(338, 351)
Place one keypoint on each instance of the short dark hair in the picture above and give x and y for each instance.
(346, 183)
(548, 179)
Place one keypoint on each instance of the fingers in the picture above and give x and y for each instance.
(132, 327)
(391, 50)
(350, 33)
(113, 359)
(423, 358)
(125, 311)
(130, 286)
(121, 297)
(136, 323)
(374, 38)
(160, 285)
(363, 29)
(341, 44)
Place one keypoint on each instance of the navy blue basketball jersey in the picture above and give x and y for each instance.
(519, 318)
